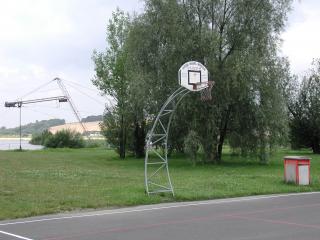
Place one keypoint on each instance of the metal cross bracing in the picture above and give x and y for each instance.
(19, 104)
(157, 177)
(65, 98)
(72, 105)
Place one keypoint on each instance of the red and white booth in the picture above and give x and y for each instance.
(297, 169)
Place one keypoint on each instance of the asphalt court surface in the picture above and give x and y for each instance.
(276, 217)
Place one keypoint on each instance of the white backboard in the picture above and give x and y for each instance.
(193, 76)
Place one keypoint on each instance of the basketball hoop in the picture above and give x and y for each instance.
(193, 77)
(206, 92)
(204, 88)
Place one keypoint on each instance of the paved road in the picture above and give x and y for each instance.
(276, 217)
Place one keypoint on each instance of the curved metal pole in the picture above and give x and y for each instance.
(168, 130)
(157, 165)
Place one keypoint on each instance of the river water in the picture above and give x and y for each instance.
(11, 144)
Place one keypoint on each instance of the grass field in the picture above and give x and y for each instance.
(49, 181)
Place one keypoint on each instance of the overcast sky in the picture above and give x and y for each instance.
(43, 39)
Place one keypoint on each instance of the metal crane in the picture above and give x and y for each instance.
(21, 102)
(65, 98)
(72, 105)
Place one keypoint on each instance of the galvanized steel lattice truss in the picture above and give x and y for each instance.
(157, 177)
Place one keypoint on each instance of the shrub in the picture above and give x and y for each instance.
(64, 138)
(191, 146)
(94, 143)
(36, 139)
(39, 139)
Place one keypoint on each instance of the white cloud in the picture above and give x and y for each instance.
(32, 20)
(302, 37)
(43, 39)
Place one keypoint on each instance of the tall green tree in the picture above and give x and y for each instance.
(238, 42)
(305, 112)
(111, 77)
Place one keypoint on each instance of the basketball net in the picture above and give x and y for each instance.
(206, 92)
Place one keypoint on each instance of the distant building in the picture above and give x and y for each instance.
(93, 128)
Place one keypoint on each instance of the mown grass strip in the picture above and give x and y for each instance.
(50, 181)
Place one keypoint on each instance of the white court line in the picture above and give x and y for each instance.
(14, 235)
(210, 202)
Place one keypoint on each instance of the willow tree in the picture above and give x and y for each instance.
(305, 112)
(238, 41)
(111, 78)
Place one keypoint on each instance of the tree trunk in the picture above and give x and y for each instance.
(262, 152)
(218, 155)
(139, 139)
(315, 146)
(122, 140)
(208, 147)
(222, 135)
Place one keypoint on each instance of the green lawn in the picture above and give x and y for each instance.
(49, 181)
